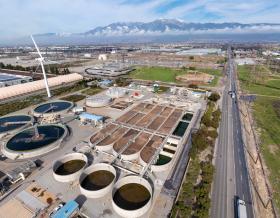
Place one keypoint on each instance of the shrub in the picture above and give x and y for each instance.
(192, 68)
(217, 114)
(214, 96)
(212, 133)
(49, 201)
(193, 86)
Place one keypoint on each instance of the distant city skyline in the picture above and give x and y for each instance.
(24, 17)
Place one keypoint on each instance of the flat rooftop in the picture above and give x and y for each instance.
(4, 77)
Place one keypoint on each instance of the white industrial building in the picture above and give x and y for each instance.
(31, 87)
(102, 57)
(11, 79)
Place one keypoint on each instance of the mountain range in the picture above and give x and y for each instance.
(163, 30)
(174, 26)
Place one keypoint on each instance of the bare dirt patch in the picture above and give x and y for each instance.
(195, 77)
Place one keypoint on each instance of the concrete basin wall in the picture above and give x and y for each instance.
(101, 192)
(98, 101)
(45, 115)
(28, 124)
(131, 157)
(161, 168)
(18, 155)
(132, 213)
(71, 177)
(108, 147)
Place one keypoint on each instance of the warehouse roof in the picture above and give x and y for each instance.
(26, 88)
(89, 116)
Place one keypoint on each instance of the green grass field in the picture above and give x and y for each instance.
(266, 85)
(165, 74)
(92, 91)
(156, 74)
(269, 123)
(73, 98)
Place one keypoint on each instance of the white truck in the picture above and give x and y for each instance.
(240, 208)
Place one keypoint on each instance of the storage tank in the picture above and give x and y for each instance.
(116, 92)
(97, 180)
(98, 101)
(132, 196)
(69, 167)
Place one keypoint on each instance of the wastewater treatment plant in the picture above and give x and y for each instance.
(117, 158)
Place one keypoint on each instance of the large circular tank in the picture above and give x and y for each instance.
(98, 101)
(69, 167)
(97, 180)
(10, 124)
(132, 196)
(56, 107)
(116, 92)
(34, 141)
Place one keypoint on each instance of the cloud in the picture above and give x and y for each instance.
(24, 17)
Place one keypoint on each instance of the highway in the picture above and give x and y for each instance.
(231, 176)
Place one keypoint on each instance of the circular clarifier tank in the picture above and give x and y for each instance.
(97, 180)
(34, 141)
(98, 101)
(13, 123)
(132, 196)
(52, 108)
(69, 167)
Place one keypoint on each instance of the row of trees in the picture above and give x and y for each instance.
(53, 69)
(16, 67)
(194, 198)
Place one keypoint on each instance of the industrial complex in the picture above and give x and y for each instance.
(129, 148)
(129, 131)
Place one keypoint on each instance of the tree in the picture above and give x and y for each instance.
(192, 68)
(214, 96)
(217, 114)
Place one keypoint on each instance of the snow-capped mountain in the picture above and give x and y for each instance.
(163, 30)
(174, 26)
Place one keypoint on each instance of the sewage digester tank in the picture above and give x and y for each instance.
(98, 101)
(10, 124)
(116, 92)
(57, 107)
(69, 167)
(97, 180)
(34, 141)
(132, 196)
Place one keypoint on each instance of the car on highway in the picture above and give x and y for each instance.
(232, 94)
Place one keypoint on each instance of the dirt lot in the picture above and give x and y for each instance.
(195, 78)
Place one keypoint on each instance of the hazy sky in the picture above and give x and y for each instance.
(25, 17)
